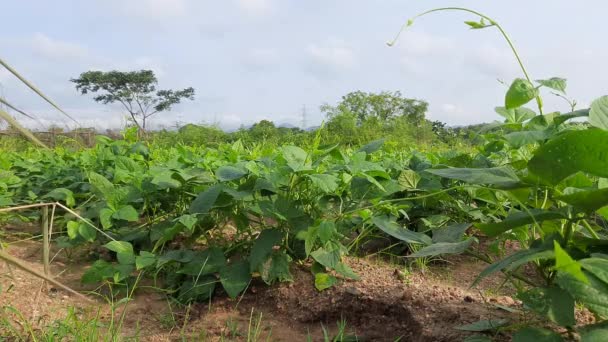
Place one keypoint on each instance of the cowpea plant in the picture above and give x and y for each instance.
(555, 185)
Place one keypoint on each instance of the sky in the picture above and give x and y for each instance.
(250, 60)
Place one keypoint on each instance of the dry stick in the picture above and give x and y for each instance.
(44, 222)
(17, 263)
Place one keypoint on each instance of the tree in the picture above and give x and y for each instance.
(135, 90)
(383, 106)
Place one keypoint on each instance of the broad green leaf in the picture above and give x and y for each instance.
(206, 262)
(484, 325)
(533, 334)
(408, 179)
(598, 114)
(515, 260)
(326, 231)
(165, 180)
(62, 194)
(102, 187)
(72, 229)
(519, 139)
(587, 200)
(394, 229)
(594, 294)
(520, 92)
(324, 182)
(518, 219)
(144, 259)
(263, 247)
(555, 83)
(127, 213)
(205, 200)
(372, 146)
(324, 281)
(451, 233)
(595, 332)
(87, 232)
(596, 266)
(311, 238)
(235, 278)
(571, 152)
(326, 258)
(515, 115)
(229, 173)
(276, 268)
(296, 158)
(188, 221)
(565, 263)
(124, 251)
(345, 271)
(497, 175)
(98, 272)
(105, 217)
(553, 303)
(198, 290)
(444, 248)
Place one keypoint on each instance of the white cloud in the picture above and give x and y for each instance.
(154, 9)
(256, 7)
(330, 58)
(261, 58)
(57, 49)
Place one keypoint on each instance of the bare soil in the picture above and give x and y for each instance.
(384, 305)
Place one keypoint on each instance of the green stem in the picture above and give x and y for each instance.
(493, 23)
(590, 229)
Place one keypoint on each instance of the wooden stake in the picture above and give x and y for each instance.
(44, 222)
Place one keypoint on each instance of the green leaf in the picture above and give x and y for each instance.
(555, 83)
(200, 290)
(392, 228)
(127, 213)
(587, 200)
(276, 268)
(519, 139)
(235, 278)
(326, 258)
(324, 281)
(596, 266)
(124, 251)
(205, 200)
(594, 294)
(296, 158)
(73, 229)
(188, 221)
(408, 179)
(87, 232)
(451, 233)
(310, 239)
(144, 259)
(530, 334)
(571, 152)
(206, 262)
(565, 263)
(326, 231)
(515, 115)
(515, 260)
(62, 194)
(598, 114)
(518, 219)
(496, 175)
(229, 173)
(484, 325)
(553, 303)
(473, 25)
(444, 248)
(594, 333)
(345, 271)
(165, 180)
(105, 217)
(372, 146)
(263, 247)
(98, 272)
(326, 183)
(102, 187)
(520, 92)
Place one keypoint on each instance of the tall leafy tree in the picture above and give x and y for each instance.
(134, 90)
